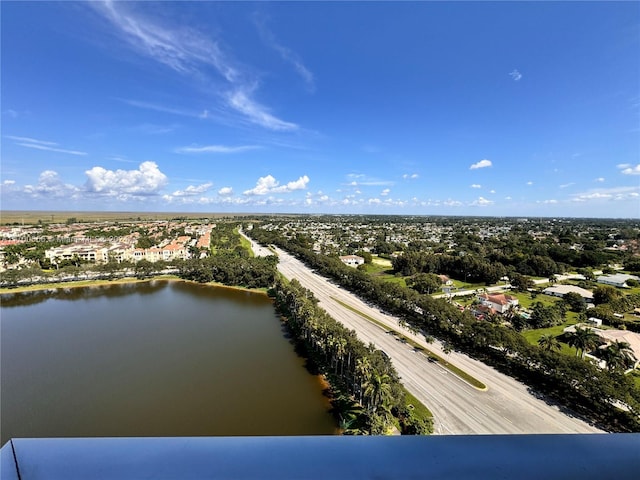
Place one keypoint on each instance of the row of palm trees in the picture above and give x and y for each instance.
(369, 384)
(617, 355)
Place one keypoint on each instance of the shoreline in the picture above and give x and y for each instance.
(117, 281)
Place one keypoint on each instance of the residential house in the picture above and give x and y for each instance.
(352, 260)
(498, 301)
(562, 290)
(616, 280)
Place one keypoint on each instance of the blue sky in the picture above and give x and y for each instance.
(506, 108)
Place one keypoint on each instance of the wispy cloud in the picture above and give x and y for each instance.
(241, 101)
(160, 108)
(411, 176)
(481, 164)
(475, 185)
(153, 129)
(216, 149)
(43, 145)
(360, 179)
(286, 53)
(516, 75)
(29, 140)
(599, 179)
(566, 185)
(269, 184)
(188, 52)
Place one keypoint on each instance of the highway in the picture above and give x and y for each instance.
(506, 407)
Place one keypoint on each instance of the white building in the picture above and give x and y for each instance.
(562, 290)
(352, 260)
(85, 252)
(616, 280)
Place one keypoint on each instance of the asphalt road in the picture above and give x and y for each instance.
(506, 407)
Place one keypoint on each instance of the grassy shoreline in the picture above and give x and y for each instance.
(119, 281)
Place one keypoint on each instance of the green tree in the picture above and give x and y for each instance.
(549, 342)
(144, 269)
(575, 302)
(605, 294)
(618, 356)
(425, 283)
(584, 340)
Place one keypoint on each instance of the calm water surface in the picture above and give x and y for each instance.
(152, 359)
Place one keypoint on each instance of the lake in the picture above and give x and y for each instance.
(160, 358)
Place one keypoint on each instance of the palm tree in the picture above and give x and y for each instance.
(549, 342)
(363, 370)
(584, 340)
(618, 356)
(378, 391)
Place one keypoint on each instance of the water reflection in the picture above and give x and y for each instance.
(152, 359)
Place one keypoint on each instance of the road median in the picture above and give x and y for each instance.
(475, 383)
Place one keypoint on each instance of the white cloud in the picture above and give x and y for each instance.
(50, 185)
(614, 193)
(225, 191)
(507, 198)
(452, 203)
(192, 190)
(481, 202)
(191, 53)
(481, 164)
(630, 169)
(269, 184)
(360, 179)
(216, 149)
(599, 179)
(147, 180)
(412, 176)
(623, 165)
(549, 202)
(567, 184)
(475, 185)
(516, 75)
(529, 183)
(9, 182)
(385, 192)
(492, 191)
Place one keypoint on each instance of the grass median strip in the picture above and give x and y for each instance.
(452, 368)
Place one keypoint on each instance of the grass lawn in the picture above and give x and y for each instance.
(246, 244)
(383, 262)
(384, 273)
(526, 301)
(532, 336)
(468, 286)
